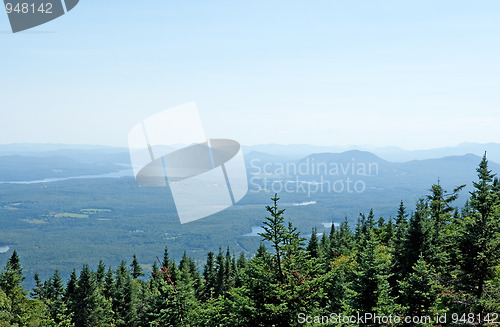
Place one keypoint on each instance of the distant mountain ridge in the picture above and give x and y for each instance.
(290, 151)
(400, 155)
(375, 172)
(393, 154)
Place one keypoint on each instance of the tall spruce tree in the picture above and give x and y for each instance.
(124, 298)
(399, 239)
(136, 268)
(275, 232)
(480, 241)
(441, 215)
(416, 290)
(12, 275)
(313, 246)
(345, 239)
(371, 279)
(91, 308)
(100, 274)
(209, 276)
(417, 240)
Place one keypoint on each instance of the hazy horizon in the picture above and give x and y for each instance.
(344, 146)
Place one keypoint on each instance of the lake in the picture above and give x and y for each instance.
(255, 231)
(329, 225)
(116, 174)
(308, 203)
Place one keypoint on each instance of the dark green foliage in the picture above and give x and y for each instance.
(442, 238)
(136, 268)
(108, 287)
(313, 246)
(480, 239)
(371, 285)
(400, 231)
(209, 275)
(12, 275)
(124, 298)
(345, 239)
(90, 308)
(275, 232)
(100, 274)
(417, 292)
(417, 238)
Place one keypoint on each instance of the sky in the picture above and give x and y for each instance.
(413, 74)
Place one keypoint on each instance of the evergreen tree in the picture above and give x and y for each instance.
(383, 232)
(398, 246)
(10, 283)
(124, 298)
(312, 246)
(366, 284)
(5, 309)
(100, 274)
(167, 263)
(275, 232)
(154, 279)
(71, 294)
(332, 249)
(183, 261)
(109, 284)
(39, 291)
(219, 266)
(292, 243)
(372, 291)
(480, 241)
(389, 232)
(361, 231)
(441, 214)
(324, 250)
(241, 265)
(416, 242)
(136, 268)
(91, 307)
(209, 274)
(345, 239)
(195, 276)
(57, 290)
(370, 220)
(417, 291)
(228, 271)
(57, 306)
(12, 275)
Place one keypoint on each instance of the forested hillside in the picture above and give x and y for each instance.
(434, 260)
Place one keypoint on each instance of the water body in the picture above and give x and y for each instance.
(255, 231)
(304, 203)
(4, 249)
(116, 174)
(318, 235)
(329, 225)
(258, 229)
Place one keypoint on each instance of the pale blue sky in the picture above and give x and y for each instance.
(415, 74)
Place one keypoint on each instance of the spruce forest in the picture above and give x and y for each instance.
(433, 264)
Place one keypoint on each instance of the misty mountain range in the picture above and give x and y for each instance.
(392, 153)
(28, 161)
